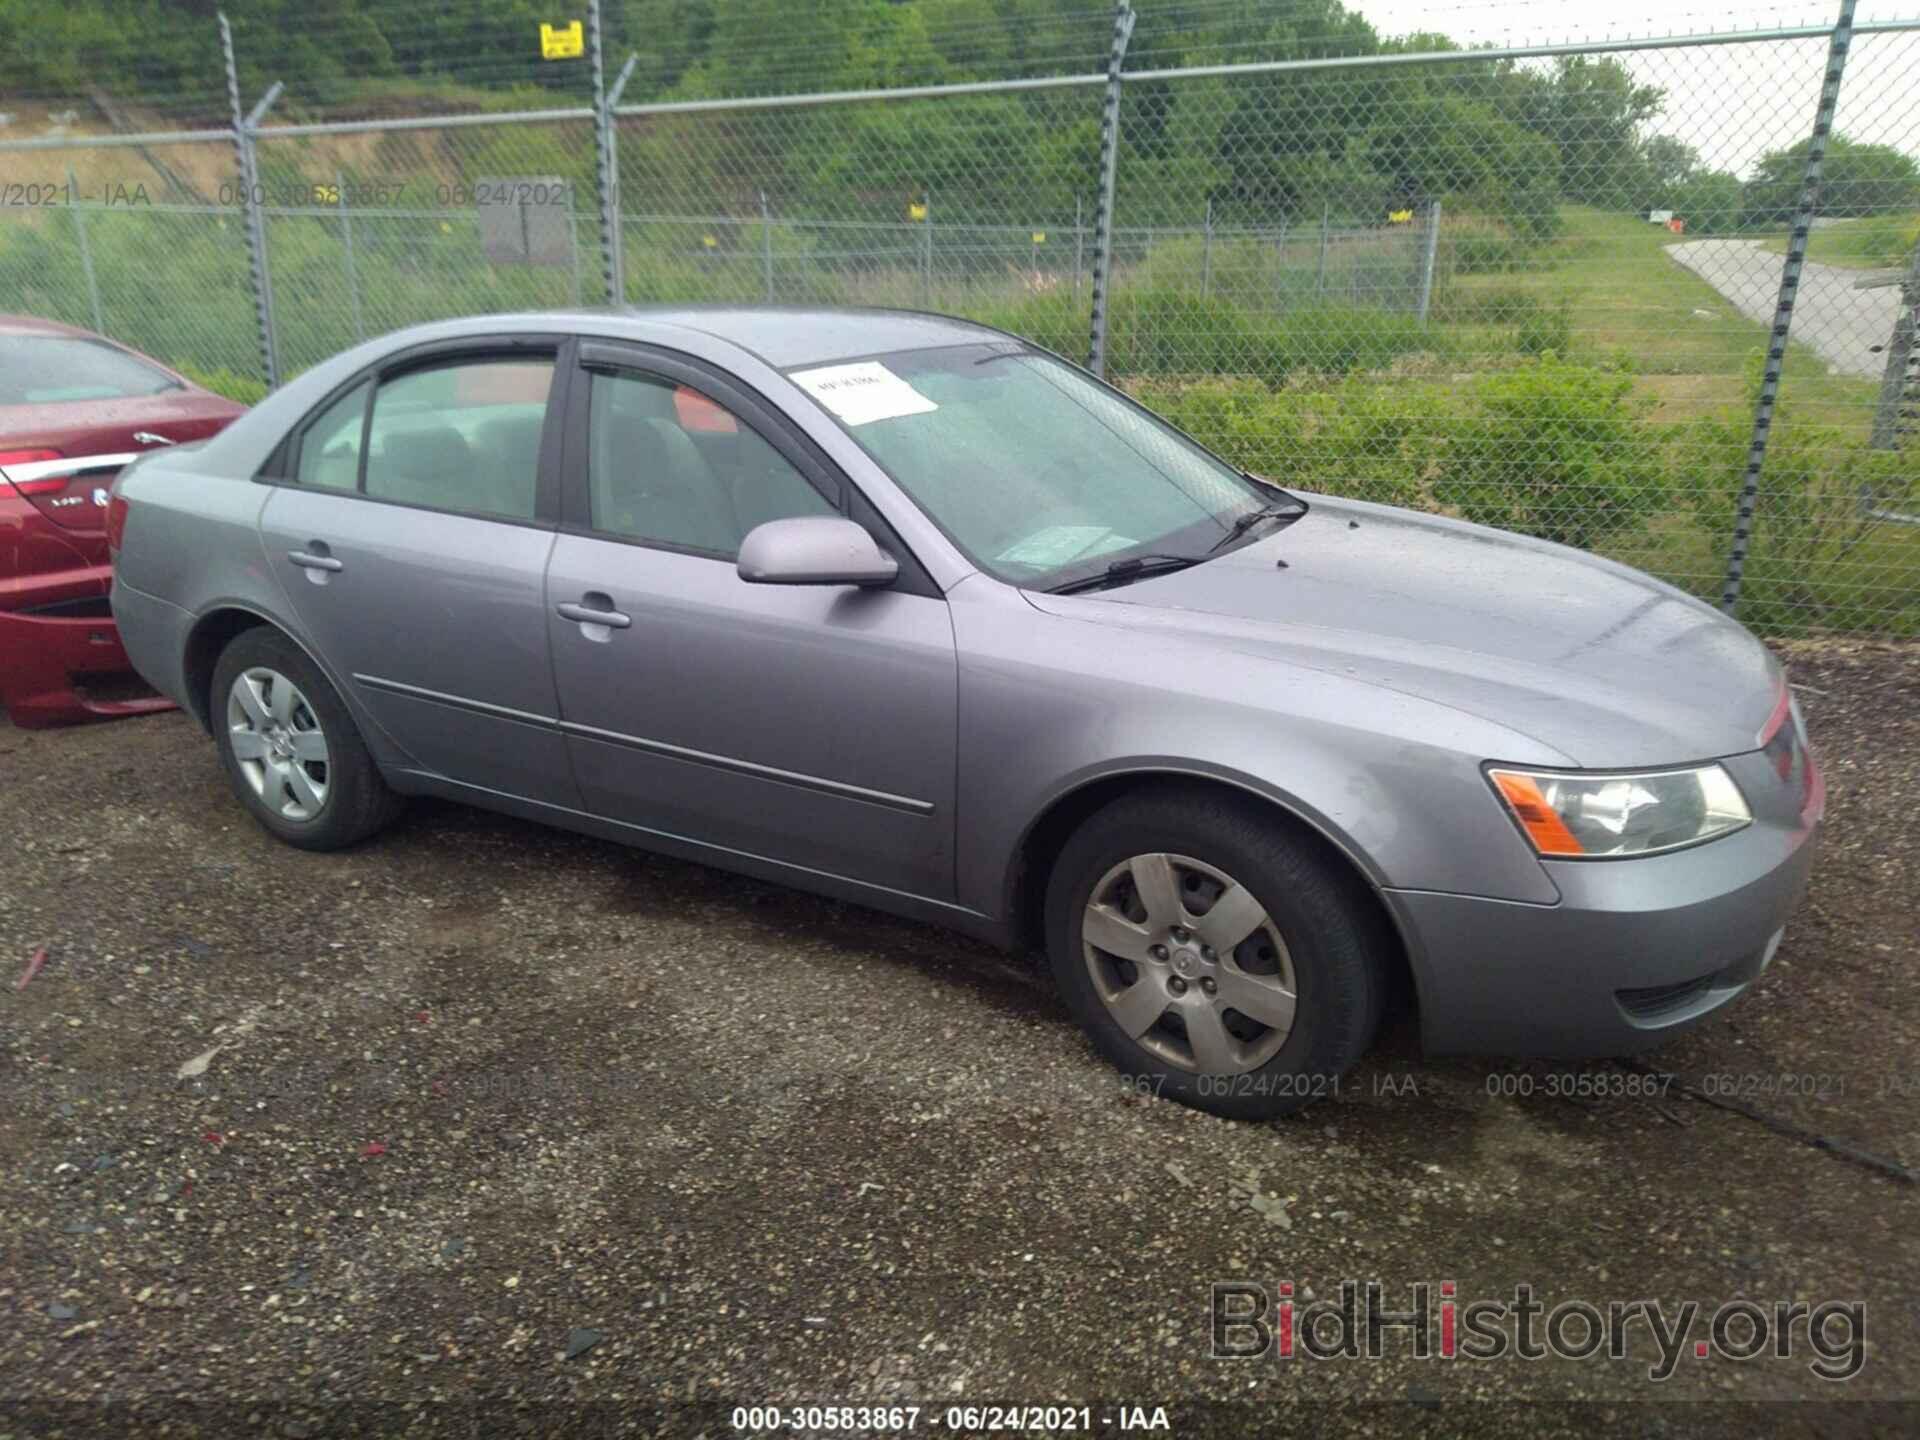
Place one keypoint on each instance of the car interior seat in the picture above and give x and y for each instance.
(650, 487)
(507, 448)
(429, 465)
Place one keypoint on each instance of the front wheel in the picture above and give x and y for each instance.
(1213, 952)
(289, 747)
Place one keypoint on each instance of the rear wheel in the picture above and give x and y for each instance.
(1215, 954)
(290, 750)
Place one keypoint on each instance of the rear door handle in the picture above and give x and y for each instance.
(317, 560)
(587, 615)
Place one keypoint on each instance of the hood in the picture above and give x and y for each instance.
(1608, 666)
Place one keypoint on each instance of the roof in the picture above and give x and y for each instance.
(34, 325)
(788, 335)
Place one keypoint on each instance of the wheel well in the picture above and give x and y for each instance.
(1049, 834)
(211, 636)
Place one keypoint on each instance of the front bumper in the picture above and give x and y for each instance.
(1636, 951)
(53, 669)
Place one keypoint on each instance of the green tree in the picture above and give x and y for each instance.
(1856, 179)
(1590, 109)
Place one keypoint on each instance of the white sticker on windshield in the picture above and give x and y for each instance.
(862, 393)
(1057, 544)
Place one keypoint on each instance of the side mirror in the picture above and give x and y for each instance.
(813, 550)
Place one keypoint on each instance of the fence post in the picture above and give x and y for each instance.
(573, 250)
(1320, 277)
(1079, 243)
(1206, 252)
(1103, 203)
(86, 251)
(766, 245)
(1429, 249)
(346, 236)
(1895, 380)
(613, 260)
(1280, 266)
(243, 127)
(1837, 48)
(926, 249)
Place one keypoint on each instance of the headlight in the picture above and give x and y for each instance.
(1594, 816)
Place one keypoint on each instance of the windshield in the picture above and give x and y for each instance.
(46, 369)
(1035, 470)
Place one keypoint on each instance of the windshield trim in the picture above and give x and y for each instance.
(1259, 493)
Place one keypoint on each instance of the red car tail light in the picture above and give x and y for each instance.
(47, 485)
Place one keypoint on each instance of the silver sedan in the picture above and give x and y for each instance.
(906, 611)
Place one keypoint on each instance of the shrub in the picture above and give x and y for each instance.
(1167, 332)
(1478, 246)
(1813, 513)
(1551, 449)
(1883, 240)
(1339, 339)
(1056, 321)
(1358, 438)
(1545, 332)
(1373, 441)
(1257, 428)
(1488, 305)
(222, 381)
(1554, 450)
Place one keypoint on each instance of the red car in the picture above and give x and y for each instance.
(74, 408)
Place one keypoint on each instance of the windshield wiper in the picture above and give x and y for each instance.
(1246, 522)
(1121, 571)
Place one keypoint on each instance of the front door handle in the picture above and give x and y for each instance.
(591, 615)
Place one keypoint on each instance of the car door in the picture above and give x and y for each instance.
(410, 528)
(812, 725)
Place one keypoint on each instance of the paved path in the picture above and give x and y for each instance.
(1842, 323)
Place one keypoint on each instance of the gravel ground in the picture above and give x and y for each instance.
(559, 1134)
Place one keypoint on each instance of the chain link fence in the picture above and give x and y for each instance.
(1654, 299)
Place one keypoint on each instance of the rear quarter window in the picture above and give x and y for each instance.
(330, 445)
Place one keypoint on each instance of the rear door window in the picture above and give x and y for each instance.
(460, 436)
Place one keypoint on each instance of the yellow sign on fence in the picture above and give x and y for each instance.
(562, 42)
(1400, 217)
(1039, 237)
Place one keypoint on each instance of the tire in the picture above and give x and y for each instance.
(1332, 953)
(337, 799)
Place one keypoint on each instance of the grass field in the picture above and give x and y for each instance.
(1623, 306)
(1882, 242)
(1691, 350)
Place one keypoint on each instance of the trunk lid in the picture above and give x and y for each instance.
(93, 439)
